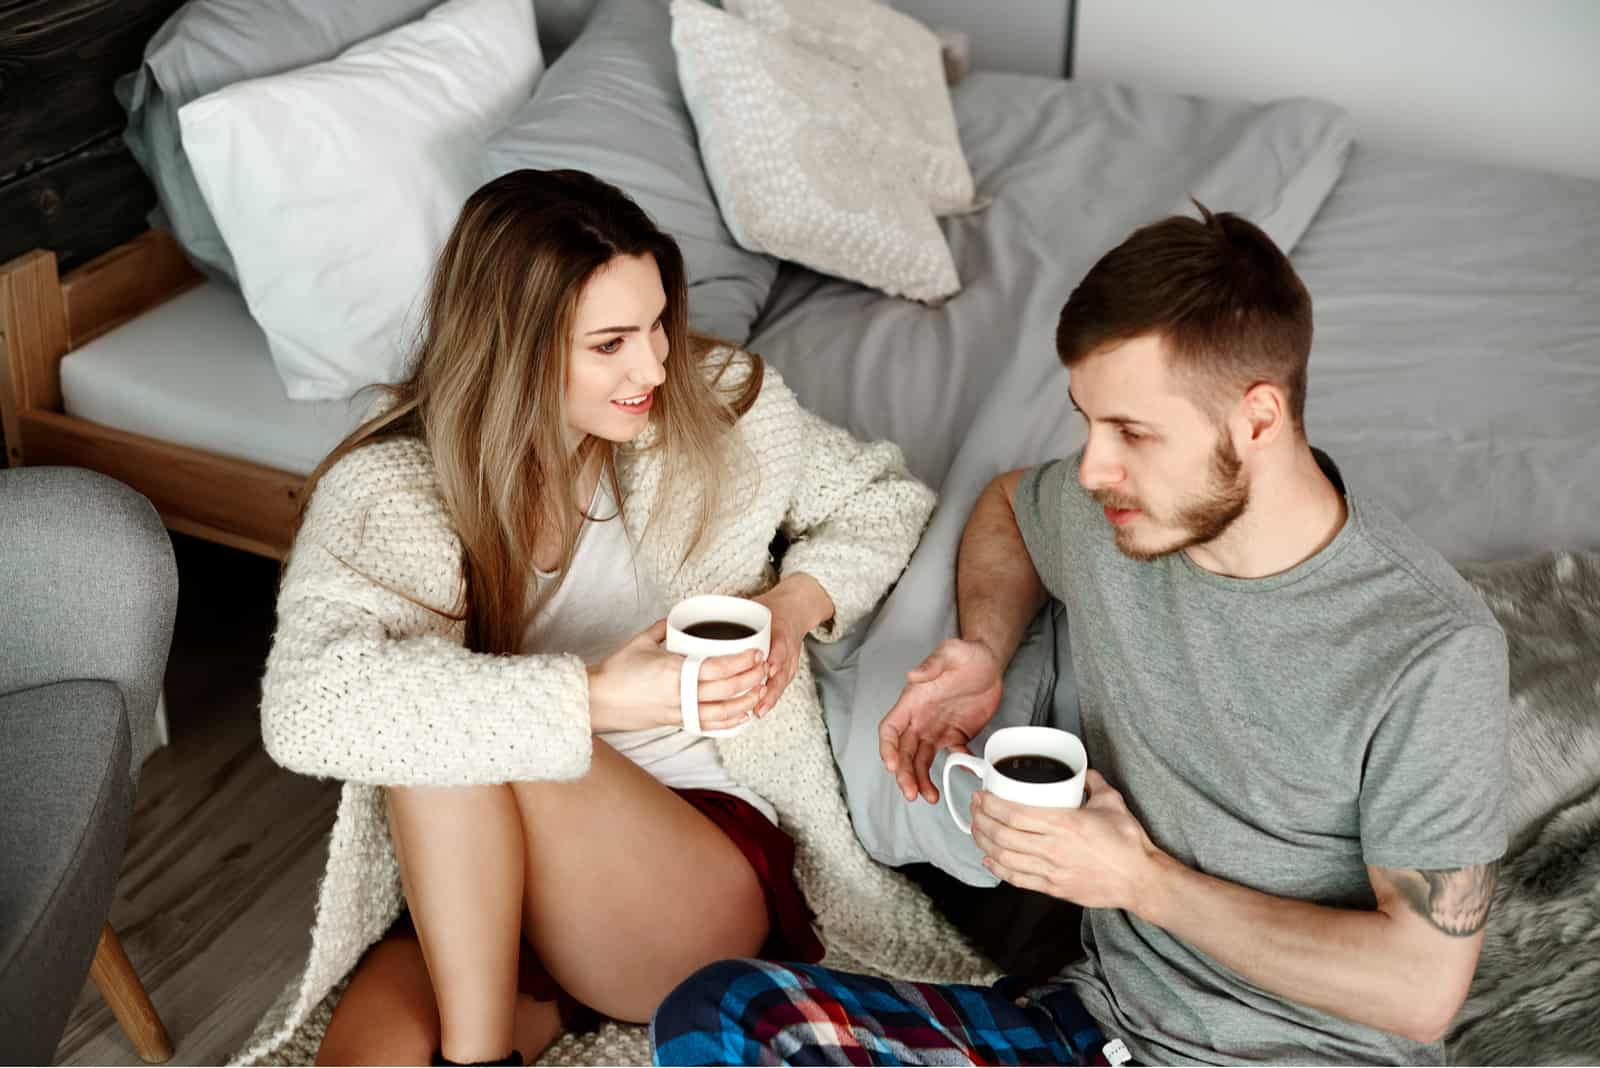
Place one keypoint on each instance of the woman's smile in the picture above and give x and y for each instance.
(639, 404)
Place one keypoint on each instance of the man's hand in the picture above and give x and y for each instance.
(1097, 856)
(947, 700)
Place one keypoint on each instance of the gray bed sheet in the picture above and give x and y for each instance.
(1071, 168)
(1455, 373)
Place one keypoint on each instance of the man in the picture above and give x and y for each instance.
(1295, 712)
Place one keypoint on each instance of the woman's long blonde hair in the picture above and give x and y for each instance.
(488, 388)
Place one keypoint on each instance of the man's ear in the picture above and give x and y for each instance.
(1266, 412)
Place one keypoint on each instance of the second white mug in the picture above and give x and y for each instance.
(1011, 742)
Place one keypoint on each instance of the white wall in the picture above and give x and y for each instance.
(1509, 81)
(1025, 36)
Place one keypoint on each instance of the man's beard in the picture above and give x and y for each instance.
(1202, 517)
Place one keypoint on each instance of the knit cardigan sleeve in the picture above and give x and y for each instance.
(368, 679)
(854, 517)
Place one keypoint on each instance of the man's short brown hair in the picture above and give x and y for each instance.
(1220, 294)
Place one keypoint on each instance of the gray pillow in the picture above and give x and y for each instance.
(611, 105)
(207, 45)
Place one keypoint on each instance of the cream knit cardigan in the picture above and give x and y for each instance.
(366, 685)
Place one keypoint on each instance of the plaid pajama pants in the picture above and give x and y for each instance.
(752, 1012)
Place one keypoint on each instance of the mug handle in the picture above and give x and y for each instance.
(689, 693)
(972, 764)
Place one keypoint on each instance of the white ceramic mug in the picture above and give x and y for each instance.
(1022, 741)
(705, 609)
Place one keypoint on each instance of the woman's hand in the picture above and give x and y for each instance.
(798, 604)
(637, 686)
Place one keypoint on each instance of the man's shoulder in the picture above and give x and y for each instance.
(1053, 485)
(1418, 584)
(1047, 498)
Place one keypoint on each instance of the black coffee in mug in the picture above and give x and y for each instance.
(718, 630)
(1029, 767)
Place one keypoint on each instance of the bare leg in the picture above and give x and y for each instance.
(629, 888)
(461, 866)
(388, 1013)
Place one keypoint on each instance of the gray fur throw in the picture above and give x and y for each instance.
(1536, 996)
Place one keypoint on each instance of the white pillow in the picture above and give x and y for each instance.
(801, 168)
(899, 66)
(335, 185)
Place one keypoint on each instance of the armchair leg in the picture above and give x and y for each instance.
(119, 984)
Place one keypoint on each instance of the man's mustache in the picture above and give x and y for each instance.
(1108, 499)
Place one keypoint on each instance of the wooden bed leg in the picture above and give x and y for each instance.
(119, 984)
(33, 338)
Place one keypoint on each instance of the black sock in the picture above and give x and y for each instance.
(513, 1059)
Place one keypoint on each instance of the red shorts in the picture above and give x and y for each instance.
(770, 853)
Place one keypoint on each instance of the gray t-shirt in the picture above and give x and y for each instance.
(1280, 733)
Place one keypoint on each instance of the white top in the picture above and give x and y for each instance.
(605, 600)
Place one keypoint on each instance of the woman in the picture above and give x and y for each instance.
(470, 623)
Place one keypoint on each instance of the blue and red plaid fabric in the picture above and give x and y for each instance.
(752, 1012)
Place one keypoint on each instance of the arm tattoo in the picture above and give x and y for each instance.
(1455, 900)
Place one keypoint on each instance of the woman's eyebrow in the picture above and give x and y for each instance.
(623, 329)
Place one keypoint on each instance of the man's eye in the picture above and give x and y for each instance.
(610, 347)
(1132, 437)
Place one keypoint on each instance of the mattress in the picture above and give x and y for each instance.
(1455, 371)
(196, 371)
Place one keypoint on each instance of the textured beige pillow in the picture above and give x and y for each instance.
(802, 168)
(897, 62)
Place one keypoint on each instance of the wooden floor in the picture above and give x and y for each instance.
(214, 904)
(215, 900)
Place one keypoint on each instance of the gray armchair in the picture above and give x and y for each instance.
(88, 591)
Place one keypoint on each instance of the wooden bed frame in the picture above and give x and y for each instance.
(43, 317)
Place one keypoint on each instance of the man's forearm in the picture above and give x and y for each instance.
(997, 587)
(1348, 962)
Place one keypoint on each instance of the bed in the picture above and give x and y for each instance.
(1455, 373)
